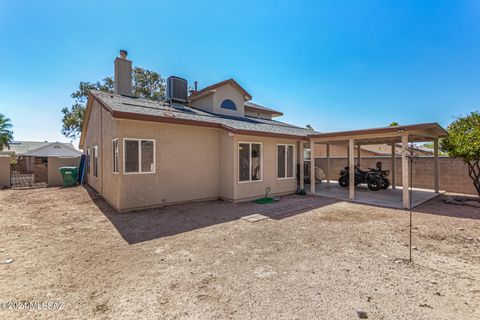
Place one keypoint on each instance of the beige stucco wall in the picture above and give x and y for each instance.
(204, 103)
(227, 152)
(187, 162)
(256, 189)
(212, 102)
(191, 164)
(54, 178)
(5, 170)
(101, 130)
(228, 92)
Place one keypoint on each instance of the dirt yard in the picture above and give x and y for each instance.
(202, 261)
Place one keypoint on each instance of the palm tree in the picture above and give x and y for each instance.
(6, 134)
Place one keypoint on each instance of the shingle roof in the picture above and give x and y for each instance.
(208, 89)
(259, 107)
(57, 149)
(122, 106)
(21, 147)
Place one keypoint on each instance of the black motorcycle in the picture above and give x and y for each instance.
(375, 179)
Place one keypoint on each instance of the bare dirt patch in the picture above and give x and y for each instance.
(201, 261)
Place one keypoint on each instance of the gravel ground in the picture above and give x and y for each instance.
(201, 261)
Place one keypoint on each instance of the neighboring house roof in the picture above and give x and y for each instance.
(55, 149)
(211, 89)
(148, 110)
(22, 147)
(257, 107)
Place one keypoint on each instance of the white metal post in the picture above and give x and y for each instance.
(435, 165)
(302, 162)
(351, 164)
(358, 154)
(394, 167)
(405, 172)
(312, 167)
(327, 173)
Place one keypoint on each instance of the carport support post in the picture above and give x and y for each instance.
(351, 164)
(405, 172)
(327, 173)
(358, 154)
(312, 167)
(435, 165)
(394, 167)
(302, 161)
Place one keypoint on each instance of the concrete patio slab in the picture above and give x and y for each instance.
(390, 198)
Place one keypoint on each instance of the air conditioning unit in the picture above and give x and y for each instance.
(177, 89)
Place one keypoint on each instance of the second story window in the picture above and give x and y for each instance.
(228, 104)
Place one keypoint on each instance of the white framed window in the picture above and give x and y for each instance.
(95, 161)
(115, 156)
(88, 161)
(250, 161)
(285, 161)
(138, 156)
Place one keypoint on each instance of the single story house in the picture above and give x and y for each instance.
(29, 153)
(209, 144)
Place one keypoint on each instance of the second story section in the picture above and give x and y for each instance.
(230, 99)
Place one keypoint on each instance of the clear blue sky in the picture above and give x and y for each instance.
(335, 65)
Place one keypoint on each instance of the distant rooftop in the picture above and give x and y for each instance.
(21, 147)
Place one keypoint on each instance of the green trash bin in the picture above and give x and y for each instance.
(69, 175)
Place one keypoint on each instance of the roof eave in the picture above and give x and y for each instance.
(172, 120)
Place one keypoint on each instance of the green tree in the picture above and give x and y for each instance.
(463, 142)
(393, 124)
(6, 133)
(146, 85)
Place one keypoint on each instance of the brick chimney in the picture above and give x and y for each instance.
(123, 74)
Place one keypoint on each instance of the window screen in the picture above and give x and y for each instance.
(147, 155)
(281, 161)
(244, 161)
(131, 156)
(256, 162)
(285, 161)
(115, 155)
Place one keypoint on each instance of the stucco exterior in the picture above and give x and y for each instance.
(5, 170)
(54, 178)
(187, 162)
(191, 163)
(102, 128)
(255, 189)
(212, 101)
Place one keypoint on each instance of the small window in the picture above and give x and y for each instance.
(115, 155)
(250, 161)
(285, 161)
(95, 161)
(228, 104)
(139, 156)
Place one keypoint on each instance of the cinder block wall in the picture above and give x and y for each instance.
(453, 173)
(5, 170)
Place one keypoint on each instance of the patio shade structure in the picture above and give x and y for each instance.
(423, 132)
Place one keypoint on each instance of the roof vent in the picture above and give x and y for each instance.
(177, 89)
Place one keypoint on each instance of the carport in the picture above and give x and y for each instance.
(424, 132)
